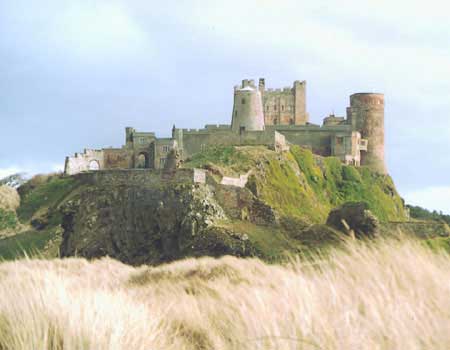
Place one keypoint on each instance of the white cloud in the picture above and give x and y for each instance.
(57, 167)
(432, 198)
(99, 28)
(31, 169)
(98, 31)
(4, 172)
(354, 38)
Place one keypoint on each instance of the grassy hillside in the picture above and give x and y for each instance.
(42, 194)
(9, 202)
(420, 213)
(8, 219)
(386, 296)
(302, 185)
(39, 201)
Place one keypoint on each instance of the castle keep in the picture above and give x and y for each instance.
(260, 116)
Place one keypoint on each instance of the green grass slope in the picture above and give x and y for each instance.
(301, 185)
(8, 219)
(40, 198)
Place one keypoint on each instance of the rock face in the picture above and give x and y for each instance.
(356, 217)
(138, 223)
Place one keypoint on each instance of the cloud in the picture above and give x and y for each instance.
(99, 28)
(76, 31)
(432, 198)
(4, 172)
(348, 37)
(57, 167)
(31, 169)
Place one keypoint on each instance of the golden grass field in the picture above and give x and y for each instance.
(391, 295)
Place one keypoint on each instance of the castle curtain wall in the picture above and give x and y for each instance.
(318, 139)
(116, 158)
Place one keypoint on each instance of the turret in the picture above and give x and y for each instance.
(248, 112)
(262, 86)
(366, 115)
(129, 136)
(301, 116)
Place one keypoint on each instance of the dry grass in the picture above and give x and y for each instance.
(9, 198)
(393, 295)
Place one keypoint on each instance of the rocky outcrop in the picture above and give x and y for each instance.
(138, 224)
(354, 218)
(141, 219)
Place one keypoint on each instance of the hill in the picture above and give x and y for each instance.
(277, 207)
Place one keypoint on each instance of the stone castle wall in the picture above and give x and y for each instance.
(90, 159)
(195, 141)
(116, 158)
(366, 115)
(318, 139)
(285, 106)
(134, 177)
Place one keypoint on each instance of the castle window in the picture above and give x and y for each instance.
(339, 141)
(165, 149)
(162, 162)
(203, 147)
(141, 140)
(275, 108)
(282, 108)
(243, 101)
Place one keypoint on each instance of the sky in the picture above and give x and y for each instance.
(74, 74)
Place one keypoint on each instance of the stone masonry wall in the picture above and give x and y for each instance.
(117, 158)
(88, 160)
(134, 177)
(285, 106)
(279, 106)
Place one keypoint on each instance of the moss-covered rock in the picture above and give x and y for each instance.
(354, 217)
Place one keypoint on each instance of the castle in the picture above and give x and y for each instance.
(271, 117)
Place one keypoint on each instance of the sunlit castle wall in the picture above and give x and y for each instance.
(248, 112)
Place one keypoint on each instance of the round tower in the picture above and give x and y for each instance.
(366, 114)
(248, 112)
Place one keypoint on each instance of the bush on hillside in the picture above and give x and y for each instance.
(8, 219)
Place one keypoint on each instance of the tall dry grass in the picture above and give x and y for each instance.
(392, 295)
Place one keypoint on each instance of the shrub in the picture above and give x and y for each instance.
(8, 219)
